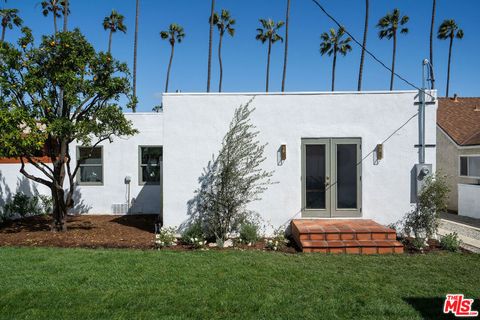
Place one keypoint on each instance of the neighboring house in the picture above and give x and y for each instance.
(331, 170)
(458, 152)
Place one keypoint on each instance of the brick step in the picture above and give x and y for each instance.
(352, 246)
(344, 236)
(353, 235)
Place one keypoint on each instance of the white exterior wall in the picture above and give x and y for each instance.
(196, 123)
(120, 159)
(469, 200)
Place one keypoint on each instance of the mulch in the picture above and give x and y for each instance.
(96, 231)
(83, 231)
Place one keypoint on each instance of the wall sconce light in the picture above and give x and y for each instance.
(379, 151)
(283, 152)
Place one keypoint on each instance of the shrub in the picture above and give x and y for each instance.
(419, 243)
(166, 237)
(423, 221)
(451, 242)
(191, 232)
(249, 232)
(278, 241)
(22, 205)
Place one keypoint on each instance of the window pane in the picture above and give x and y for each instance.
(151, 174)
(315, 176)
(346, 176)
(463, 166)
(93, 156)
(91, 174)
(151, 155)
(474, 166)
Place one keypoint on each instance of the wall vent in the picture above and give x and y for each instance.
(119, 208)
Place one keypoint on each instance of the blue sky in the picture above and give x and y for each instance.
(245, 58)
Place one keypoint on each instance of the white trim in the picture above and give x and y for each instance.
(460, 165)
(476, 146)
(309, 93)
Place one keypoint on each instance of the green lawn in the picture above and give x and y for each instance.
(44, 283)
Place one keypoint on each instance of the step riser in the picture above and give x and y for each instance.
(357, 250)
(349, 236)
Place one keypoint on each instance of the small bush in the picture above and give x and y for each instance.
(249, 233)
(192, 232)
(166, 237)
(451, 242)
(419, 243)
(278, 241)
(423, 220)
(22, 206)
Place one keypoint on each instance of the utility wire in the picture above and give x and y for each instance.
(368, 51)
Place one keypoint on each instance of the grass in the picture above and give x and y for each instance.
(49, 283)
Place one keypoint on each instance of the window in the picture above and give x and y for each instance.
(91, 165)
(150, 163)
(470, 166)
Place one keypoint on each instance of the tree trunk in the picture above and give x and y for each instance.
(110, 42)
(210, 39)
(58, 194)
(135, 46)
(169, 66)
(285, 56)
(449, 60)
(364, 45)
(65, 16)
(393, 59)
(3, 34)
(268, 63)
(432, 26)
(55, 23)
(333, 67)
(220, 62)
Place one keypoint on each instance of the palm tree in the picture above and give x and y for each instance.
(210, 42)
(449, 30)
(269, 32)
(285, 55)
(114, 23)
(388, 26)
(332, 43)
(432, 26)
(57, 8)
(174, 34)
(364, 45)
(135, 48)
(9, 18)
(224, 22)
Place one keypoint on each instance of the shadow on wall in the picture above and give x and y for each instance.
(24, 186)
(79, 205)
(199, 202)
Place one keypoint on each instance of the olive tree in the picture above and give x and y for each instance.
(36, 119)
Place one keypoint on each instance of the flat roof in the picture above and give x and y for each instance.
(293, 93)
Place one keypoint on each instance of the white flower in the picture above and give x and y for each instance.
(157, 236)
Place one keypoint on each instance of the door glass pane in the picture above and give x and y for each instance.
(315, 176)
(346, 176)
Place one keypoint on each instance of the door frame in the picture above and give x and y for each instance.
(315, 213)
(331, 210)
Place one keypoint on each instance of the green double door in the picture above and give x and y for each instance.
(331, 177)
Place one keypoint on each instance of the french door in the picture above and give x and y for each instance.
(331, 177)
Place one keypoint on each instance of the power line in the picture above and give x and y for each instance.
(368, 51)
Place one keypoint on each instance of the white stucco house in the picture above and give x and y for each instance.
(345, 155)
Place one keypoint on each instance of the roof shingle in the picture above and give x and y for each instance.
(460, 119)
